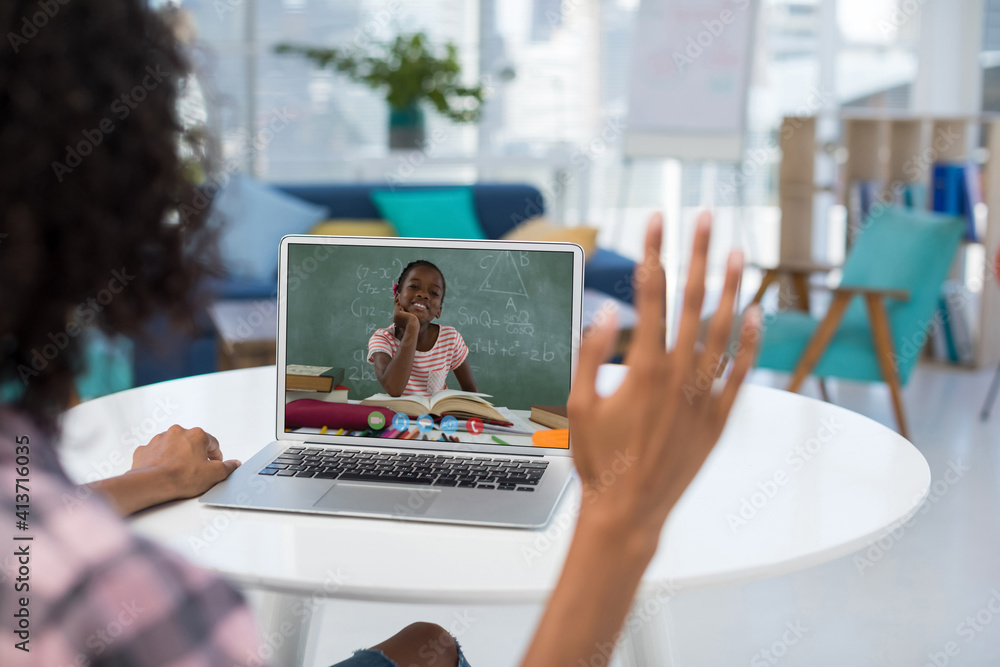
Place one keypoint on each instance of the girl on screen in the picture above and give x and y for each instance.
(413, 355)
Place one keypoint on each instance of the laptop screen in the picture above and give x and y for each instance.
(429, 344)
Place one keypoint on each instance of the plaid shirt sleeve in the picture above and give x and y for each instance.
(96, 594)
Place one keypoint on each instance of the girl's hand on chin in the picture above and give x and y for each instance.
(404, 320)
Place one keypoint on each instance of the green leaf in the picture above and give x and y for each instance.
(406, 70)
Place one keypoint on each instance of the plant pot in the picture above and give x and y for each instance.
(406, 128)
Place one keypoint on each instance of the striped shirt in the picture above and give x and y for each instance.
(430, 369)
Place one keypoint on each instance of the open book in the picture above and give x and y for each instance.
(453, 402)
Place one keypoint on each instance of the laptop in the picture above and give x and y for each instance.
(510, 313)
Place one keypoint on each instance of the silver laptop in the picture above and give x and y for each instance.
(502, 319)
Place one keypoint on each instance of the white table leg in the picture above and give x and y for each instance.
(285, 622)
(648, 640)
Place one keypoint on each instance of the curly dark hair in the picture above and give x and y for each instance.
(421, 262)
(90, 188)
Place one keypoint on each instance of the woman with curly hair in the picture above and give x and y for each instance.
(90, 236)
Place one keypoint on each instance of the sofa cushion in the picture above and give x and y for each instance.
(347, 227)
(253, 217)
(499, 206)
(541, 229)
(610, 273)
(438, 214)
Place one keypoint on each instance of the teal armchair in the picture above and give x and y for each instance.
(878, 319)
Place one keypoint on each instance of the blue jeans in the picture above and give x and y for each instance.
(369, 657)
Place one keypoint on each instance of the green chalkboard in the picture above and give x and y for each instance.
(513, 308)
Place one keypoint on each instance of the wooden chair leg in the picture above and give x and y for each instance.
(801, 283)
(769, 276)
(991, 395)
(882, 336)
(823, 390)
(819, 342)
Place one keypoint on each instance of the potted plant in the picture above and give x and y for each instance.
(408, 71)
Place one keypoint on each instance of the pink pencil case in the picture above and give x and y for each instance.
(316, 414)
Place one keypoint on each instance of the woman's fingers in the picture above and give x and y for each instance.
(722, 322)
(213, 449)
(594, 350)
(650, 297)
(694, 291)
(749, 337)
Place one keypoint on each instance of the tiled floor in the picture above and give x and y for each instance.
(911, 600)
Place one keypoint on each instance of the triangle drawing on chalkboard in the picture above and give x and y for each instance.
(504, 277)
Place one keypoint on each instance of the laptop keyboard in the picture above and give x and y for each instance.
(408, 468)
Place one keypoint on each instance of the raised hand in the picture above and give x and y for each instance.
(638, 449)
(655, 432)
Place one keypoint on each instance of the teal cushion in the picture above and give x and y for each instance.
(436, 214)
(851, 354)
(108, 365)
(253, 217)
(107, 368)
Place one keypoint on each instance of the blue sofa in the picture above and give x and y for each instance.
(168, 354)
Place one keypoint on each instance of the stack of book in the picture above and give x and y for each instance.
(553, 416)
(951, 329)
(322, 383)
(956, 190)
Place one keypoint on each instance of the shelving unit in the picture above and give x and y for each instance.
(894, 150)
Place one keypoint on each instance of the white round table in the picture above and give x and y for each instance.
(793, 482)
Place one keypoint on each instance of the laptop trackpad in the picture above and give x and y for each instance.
(395, 501)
